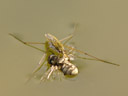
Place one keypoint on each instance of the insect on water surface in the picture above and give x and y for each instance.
(58, 56)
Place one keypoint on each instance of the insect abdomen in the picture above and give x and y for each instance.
(69, 69)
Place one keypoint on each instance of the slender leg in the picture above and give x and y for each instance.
(98, 59)
(67, 38)
(52, 69)
(47, 75)
(57, 74)
(70, 36)
(27, 43)
(34, 43)
(86, 58)
(70, 51)
(41, 63)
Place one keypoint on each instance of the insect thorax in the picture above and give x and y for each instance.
(53, 60)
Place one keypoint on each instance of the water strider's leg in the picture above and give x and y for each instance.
(98, 59)
(67, 39)
(52, 69)
(70, 36)
(57, 74)
(47, 75)
(41, 63)
(85, 58)
(28, 44)
(34, 43)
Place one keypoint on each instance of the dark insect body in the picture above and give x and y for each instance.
(63, 64)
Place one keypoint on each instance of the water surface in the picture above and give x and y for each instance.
(102, 31)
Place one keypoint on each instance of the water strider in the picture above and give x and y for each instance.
(58, 56)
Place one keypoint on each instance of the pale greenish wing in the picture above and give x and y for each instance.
(55, 43)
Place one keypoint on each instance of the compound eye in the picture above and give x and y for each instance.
(52, 59)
